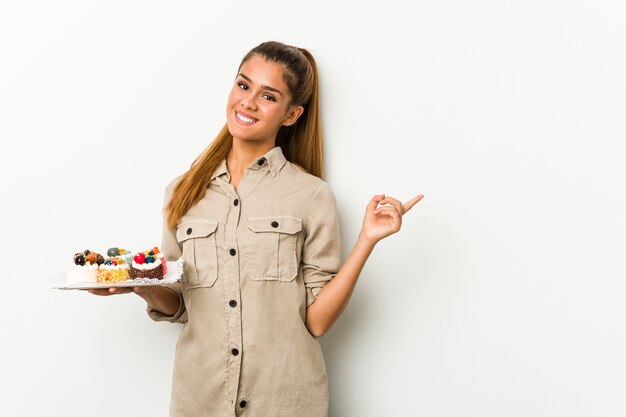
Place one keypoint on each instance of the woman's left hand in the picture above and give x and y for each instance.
(380, 222)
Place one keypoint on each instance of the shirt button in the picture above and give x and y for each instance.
(242, 403)
(189, 231)
(274, 224)
(235, 352)
(261, 161)
(236, 202)
(232, 303)
(233, 252)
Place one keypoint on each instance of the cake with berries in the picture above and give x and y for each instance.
(148, 264)
(113, 270)
(84, 268)
(126, 255)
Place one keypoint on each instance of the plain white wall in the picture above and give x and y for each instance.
(503, 295)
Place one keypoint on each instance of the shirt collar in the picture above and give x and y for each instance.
(274, 158)
(221, 170)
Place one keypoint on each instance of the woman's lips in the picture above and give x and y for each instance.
(245, 119)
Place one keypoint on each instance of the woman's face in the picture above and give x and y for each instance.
(258, 104)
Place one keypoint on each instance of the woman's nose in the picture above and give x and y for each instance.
(248, 102)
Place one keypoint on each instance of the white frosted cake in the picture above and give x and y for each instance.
(84, 269)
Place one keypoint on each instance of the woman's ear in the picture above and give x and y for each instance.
(293, 115)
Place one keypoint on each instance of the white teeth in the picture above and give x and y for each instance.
(245, 119)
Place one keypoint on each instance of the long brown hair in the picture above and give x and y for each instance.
(301, 142)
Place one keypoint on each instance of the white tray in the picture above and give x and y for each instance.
(174, 273)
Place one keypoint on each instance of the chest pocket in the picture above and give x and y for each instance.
(271, 248)
(199, 253)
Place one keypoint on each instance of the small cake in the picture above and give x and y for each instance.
(147, 265)
(126, 255)
(113, 270)
(84, 269)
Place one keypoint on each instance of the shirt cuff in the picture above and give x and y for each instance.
(311, 295)
(179, 317)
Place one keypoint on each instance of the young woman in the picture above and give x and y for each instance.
(257, 229)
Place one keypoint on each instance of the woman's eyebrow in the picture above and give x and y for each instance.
(266, 87)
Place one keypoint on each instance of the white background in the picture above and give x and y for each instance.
(503, 295)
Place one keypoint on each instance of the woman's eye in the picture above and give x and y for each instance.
(268, 97)
(243, 86)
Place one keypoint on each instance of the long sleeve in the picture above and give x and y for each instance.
(172, 250)
(321, 253)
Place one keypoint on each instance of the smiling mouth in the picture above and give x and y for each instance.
(244, 119)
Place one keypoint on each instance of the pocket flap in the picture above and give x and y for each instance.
(192, 230)
(279, 224)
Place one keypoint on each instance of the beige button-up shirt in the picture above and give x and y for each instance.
(254, 259)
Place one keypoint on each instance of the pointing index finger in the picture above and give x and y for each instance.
(407, 206)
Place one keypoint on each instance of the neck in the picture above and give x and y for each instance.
(243, 153)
